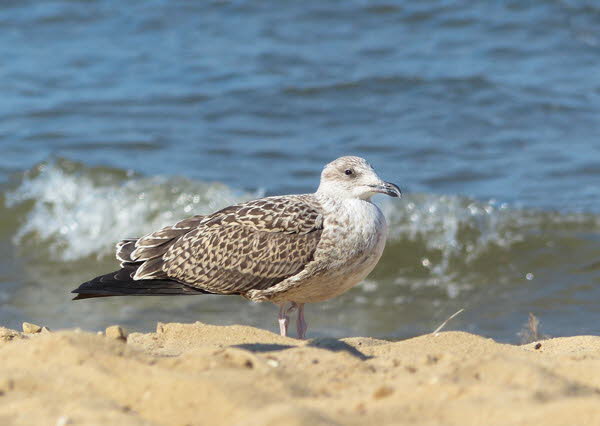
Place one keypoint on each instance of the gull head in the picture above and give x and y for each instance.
(352, 177)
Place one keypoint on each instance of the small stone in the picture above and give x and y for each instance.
(45, 330)
(116, 332)
(31, 328)
(63, 421)
(6, 385)
(272, 363)
(383, 392)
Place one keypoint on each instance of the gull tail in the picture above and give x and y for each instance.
(121, 283)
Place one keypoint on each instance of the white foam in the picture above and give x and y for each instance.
(455, 232)
(76, 216)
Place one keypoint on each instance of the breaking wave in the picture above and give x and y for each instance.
(71, 211)
(66, 211)
(460, 242)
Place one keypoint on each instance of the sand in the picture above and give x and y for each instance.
(197, 374)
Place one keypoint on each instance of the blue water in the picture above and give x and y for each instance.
(486, 114)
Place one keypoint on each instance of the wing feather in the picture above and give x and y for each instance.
(134, 251)
(250, 246)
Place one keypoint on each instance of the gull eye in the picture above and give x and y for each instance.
(348, 172)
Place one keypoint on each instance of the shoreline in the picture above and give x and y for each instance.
(239, 375)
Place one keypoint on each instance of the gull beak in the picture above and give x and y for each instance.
(387, 188)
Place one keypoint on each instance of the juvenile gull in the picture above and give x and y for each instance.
(289, 250)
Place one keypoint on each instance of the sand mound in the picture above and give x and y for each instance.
(196, 374)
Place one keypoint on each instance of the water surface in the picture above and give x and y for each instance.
(116, 119)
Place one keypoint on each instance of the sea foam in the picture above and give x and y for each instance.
(78, 212)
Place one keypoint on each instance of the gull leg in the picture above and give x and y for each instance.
(283, 319)
(301, 325)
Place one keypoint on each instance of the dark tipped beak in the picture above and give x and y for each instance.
(388, 188)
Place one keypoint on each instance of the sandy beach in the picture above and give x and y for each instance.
(197, 374)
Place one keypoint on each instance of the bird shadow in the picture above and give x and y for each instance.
(327, 343)
(263, 347)
(336, 345)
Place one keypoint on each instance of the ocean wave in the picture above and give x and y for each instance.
(456, 243)
(72, 211)
(68, 211)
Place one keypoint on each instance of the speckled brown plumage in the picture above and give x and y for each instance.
(249, 246)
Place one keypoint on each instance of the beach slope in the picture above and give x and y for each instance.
(197, 374)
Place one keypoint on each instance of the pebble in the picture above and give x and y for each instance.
(383, 392)
(31, 328)
(116, 332)
(63, 421)
(273, 363)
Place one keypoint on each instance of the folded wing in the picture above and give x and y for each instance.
(253, 245)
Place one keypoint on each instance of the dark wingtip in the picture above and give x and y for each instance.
(89, 296)
(77, 293)
(120, 283)
(79, 296)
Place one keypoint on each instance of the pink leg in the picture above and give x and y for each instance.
(301, 325)
(284, 319)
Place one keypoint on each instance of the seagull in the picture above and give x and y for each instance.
(289, 250)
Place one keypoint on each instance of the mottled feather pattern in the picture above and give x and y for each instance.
(124, 249)
(236, 258)
(349, 247)
(154, 245)
(136, 250)
(294, 214)
(253, 245)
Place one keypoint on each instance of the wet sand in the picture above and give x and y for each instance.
(197, 374)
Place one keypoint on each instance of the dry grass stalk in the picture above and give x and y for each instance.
(437, 330)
